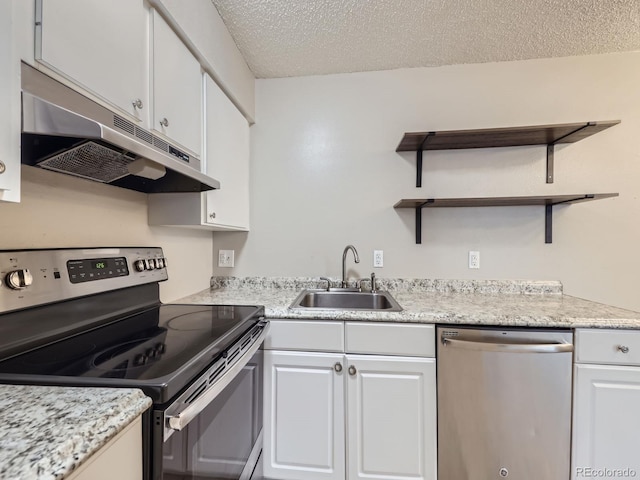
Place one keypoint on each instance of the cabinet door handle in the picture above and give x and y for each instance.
(2, 167)
(338, 367)
(137, 103)
(164, 122)
(623, 348)
(352, 370)
(212, 215)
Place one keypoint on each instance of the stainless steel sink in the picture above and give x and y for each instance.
(346, 300)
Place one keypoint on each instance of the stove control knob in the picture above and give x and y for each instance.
(150, 264)
(161, 348)
(164, 262)
(139, 264)
(158, 263)
(19, 279)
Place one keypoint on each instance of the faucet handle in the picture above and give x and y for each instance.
(328, 280)
(359, 282)
(373, 282)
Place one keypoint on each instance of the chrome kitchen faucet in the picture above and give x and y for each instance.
(344, 262)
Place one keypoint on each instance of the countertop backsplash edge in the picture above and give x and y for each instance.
(414, 285)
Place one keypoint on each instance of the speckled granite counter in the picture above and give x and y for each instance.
(473, 302)
(47, 432)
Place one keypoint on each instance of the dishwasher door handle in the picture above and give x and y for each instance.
(508, 347)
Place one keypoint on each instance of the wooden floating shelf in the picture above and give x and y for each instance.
(548, 201)
(549, 135)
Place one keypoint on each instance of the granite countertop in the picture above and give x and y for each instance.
(472, 302)
(48, 432)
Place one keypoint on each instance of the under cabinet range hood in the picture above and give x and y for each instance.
(66, 132)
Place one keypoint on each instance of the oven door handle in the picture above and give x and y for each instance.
(180, 420)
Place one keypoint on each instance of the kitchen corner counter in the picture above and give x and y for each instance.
(48, 432)
(473, 302)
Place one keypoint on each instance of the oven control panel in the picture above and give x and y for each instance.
(33, 277)
(96, 269)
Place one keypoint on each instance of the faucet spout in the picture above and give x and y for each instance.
(344, 262)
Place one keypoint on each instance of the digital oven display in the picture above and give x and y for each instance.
(89, 270)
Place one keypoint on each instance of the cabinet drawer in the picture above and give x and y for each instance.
(390, 339)
(305, 335)
(608, 346)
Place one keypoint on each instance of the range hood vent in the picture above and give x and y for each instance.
(66, 132)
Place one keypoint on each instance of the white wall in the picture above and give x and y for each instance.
(61, 211)
(325, 174)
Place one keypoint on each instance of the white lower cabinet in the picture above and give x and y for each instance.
(304, 416)
(121, 458)
(391, 417)
(348, 416)
(606, 416)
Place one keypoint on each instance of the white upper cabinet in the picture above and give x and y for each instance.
(227, 160)
(177, 88)
(101, 46)
(10, 107)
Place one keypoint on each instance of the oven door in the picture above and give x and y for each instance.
(218, 436)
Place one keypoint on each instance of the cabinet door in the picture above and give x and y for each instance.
(10, 107)
(227, 160)
(304, 416)
(101, 46)
(391, 417)
(177, 88)
(606, 421)
(120, 458)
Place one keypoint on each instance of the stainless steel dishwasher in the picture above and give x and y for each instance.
(504, 404)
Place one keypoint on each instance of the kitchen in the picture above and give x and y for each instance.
(323, 148)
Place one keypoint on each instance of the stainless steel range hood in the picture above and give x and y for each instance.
(66, 132)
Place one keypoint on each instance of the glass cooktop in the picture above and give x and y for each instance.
(158, 350)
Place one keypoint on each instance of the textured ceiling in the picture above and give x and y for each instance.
(282, 38)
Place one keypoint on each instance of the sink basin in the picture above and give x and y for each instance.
(347, 300)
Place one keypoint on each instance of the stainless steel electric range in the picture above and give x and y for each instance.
(93, 317)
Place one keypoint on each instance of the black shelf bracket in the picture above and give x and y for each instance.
(550, 150)
(419, 220)
(548, 215)
(548, 221)
(419, 160)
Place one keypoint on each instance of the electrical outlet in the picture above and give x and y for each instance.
(474, 259)
(226, 258)
(378, 258)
